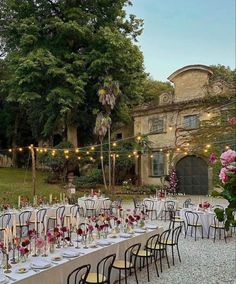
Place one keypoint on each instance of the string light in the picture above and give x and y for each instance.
(114, 144)
(227, 147)
(79, 158)
(134, 152)
(20, 149)
(67, 157)
(208, 145)
(45, 150)
(185, 153)
(170, 128)
(66, 151)
(77, 150)
(129, 156)
(87, 152)
(161, 150)
(151, 156)
(139, 138)
(91, 158)
(178, 149)
(10, 150)
(41, 150)
(101, 157)
(92, 148)
(117, 156)
(208, 114)
(205, 150)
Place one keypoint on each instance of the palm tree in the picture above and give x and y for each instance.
(101, 127)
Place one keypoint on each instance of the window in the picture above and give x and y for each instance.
(118, 136)
(157, 125)
(191, 121)
(158, 164)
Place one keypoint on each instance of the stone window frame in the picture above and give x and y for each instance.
(191, 127)
(163, 172)
(157, 131)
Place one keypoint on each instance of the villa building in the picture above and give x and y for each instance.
(168, 124)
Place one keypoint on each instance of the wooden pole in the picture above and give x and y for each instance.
(109, 156)
(114, 170)
(33, 169)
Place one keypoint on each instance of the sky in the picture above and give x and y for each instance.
(183, 32)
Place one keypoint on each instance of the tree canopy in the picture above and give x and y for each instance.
(57, 54)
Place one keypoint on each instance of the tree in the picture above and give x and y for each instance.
(153, 89)
(60, 52)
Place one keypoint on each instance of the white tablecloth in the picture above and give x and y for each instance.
(58, 273)
(205, 218)
(159, 205)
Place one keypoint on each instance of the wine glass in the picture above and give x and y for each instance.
(1, 262)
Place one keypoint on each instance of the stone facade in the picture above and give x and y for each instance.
(175, 112)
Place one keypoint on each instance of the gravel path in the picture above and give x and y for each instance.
(203, 262)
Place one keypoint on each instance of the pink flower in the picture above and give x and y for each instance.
(228, 157)
(232, 120)
(212, 158)
(39, 243)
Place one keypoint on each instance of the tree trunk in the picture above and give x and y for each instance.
(33, 170)
(114, 171)
(14, 137)
(72, 135)
(102, 164)
(109, 156)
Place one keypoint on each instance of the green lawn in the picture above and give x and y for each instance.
(14, 182)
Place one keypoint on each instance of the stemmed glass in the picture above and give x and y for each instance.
(1, 262)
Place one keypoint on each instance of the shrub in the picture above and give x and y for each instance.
(89, 180)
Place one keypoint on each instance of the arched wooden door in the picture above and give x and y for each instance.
(192, 173)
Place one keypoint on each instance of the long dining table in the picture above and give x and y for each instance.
(58, 271)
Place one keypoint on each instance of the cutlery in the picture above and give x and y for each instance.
(11, 278)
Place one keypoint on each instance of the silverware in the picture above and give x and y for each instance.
(11, 278)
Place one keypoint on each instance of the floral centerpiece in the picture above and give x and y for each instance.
(204, 205)
(227, 189)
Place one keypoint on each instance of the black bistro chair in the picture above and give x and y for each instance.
(60, 214)
(149, 208)
(217, 226)
(192, 221)
(106, 206)
(103, 273)
(79, 275)
(40, 217)
(173, 241)
(148, 254)
(128, 263)
(24, 221)
(90, 207)
(168, 207)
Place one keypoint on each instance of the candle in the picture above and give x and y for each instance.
(45, 225)
(4, 238)
(50, 199)
(40, 229)
(7, 240)
(77, 221)
(19, 199)
(35, 219)
(60, 197)
(14, 225)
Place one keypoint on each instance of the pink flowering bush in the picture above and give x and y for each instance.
(227, 177)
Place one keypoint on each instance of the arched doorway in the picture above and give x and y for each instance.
(192, 173)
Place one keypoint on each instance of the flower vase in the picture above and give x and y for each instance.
(23, 258)
(90, 237)
(52, 248)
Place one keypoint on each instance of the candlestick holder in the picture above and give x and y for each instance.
(45, 247)
(13, 260)
(35, 249)
(7, 266)
(69, 235)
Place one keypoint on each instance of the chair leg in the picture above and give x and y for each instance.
(202, 232)
(119, 276)
(167, 259)
(147, 269)
(186, 231)
(156, 267)
(208, 235)
(214, 235)
(172, 251)
(135, 274)
(160, 260)
(178, 252)
(126, 276)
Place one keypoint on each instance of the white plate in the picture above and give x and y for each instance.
(139, 230)
(151, 226)
(40, 263)
(103, 242)
(70, 253)
(125, 235)
(56, 258)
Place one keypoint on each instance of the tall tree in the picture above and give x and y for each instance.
(60, 52)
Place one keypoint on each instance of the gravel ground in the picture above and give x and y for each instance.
(203, 262)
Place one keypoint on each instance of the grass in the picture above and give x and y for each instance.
(15, 182)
